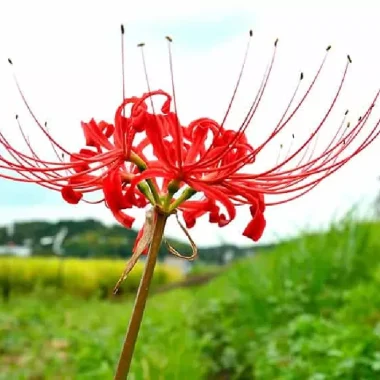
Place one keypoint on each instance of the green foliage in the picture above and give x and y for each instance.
(309, 310)
(286, 316)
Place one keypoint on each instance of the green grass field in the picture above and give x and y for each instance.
(308, 310)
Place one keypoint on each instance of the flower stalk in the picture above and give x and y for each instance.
(126, 354)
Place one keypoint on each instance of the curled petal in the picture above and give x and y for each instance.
(113, 193)
(256, 226)
(123, 218)
(106, 128)
(94, 136)
(190, 219)
(217, 217)
(135, 198)
(166, 106)
(79, 162)
(71, 196)
(192, 210)
(215, 194)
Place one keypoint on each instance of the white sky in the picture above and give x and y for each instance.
(67, 58)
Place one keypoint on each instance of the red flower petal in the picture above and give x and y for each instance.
(214, 194)
(189, 219)
(166, 106)
(94, 136)
(123, 218)
(256, 226)
(71, 196)
(113, 192)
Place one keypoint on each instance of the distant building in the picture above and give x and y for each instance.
(15, 250)
(182, 264)
(11, 248)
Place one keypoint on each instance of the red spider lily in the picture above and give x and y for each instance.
(216, 168)
(106, 163)
(203, 157)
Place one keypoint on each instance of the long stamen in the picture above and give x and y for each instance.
(329, 165)
(239, 79)
(220, 128)
(332, 141)
(249, 116)
(280, 127)
(316, 130)
(179, 132)
(123, 76)
(286, 180)
(141, 46)
(50, 138)
(235, 166)
(122, 60)
(61, 156)
(36, 159)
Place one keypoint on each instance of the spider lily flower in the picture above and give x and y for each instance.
(106, 163)
(205, 157)
(172, 164)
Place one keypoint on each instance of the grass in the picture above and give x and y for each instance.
(308, 310)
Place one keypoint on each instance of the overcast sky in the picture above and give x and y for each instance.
(67, 59)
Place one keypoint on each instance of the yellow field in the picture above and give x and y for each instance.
(75, 276)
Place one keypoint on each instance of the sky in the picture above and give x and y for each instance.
(67, 59)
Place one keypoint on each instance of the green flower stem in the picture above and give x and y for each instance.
(145, 189)
(187, 194)
(141, 298)
(153, 189)
(140, 163)
(173, 187)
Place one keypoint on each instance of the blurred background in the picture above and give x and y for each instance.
(302, 303)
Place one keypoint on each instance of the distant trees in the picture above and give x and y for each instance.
(90, 238)
(85, 238)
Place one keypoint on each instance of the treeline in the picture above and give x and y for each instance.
(91, 238)
(86, 238)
